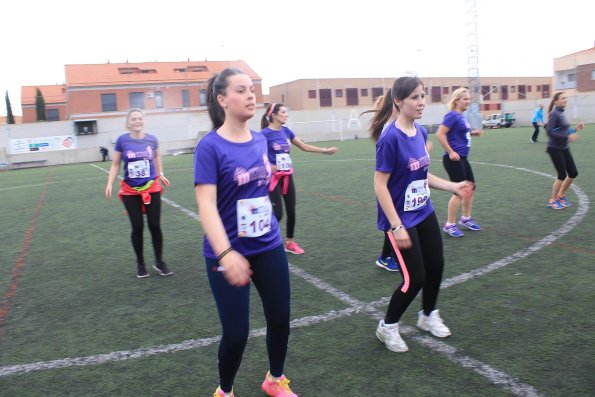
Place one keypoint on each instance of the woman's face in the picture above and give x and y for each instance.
(462, 103)
(413, 106)
(135, 122)
(562, 101)
(281, 115)
(239, 101)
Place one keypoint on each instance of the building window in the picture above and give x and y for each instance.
(202, 97)
(108, 103)
(455, 87)
(185, 99)
(137, 99)
(522, 94)
(339, 93)
(436, 94)
(364, 92)
(504, 92)
(158, 99)
(444, 90)
(545, 91)
(512, 89)
(538, 87)
(326, 99)
(529, 88)
(485, 92)
(312, 94)
(592, 74)
(495, 89)
(376, 92)
(53, 115)
(352, 99)
(571, 77)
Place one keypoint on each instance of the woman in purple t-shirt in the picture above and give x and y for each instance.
(455, 136)
(140, 188)
(242, 242)
(402, 185)
(279, 140)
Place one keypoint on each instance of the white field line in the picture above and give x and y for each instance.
(495, 376)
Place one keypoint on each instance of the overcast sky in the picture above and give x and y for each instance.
(291, 39)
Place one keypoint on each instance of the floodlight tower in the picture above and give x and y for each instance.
(474, 114)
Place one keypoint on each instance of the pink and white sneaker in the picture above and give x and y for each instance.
(294, 248)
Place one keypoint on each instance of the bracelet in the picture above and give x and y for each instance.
(161, 173)
(221, 255)
(397, 228)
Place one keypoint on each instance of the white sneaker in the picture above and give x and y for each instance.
(433, 324)
(389, 335)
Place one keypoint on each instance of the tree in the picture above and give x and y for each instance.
(39, 105)
(9, 115)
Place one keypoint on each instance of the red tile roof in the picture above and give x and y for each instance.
(148, 72)
(51, 94)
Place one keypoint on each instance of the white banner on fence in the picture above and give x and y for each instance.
(42, 144)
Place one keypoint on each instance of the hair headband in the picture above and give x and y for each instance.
(271, 109)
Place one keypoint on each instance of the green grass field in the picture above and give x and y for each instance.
(75, 321)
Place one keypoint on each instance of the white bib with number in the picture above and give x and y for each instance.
(417, 195)
(254, 216)
(139, 169)
(283, 161)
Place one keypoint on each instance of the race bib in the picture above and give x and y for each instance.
(417, 195)
(254, 216)
(283, 162)
(139, 169)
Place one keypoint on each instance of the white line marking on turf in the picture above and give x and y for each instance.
(497, 377)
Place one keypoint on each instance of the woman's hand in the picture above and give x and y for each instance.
(164, 180)
(579, 127)
(463, 189)
(108, 191)
(402, 238)
(454, 156)
(477, 132)
(330, 150)
(236, 269)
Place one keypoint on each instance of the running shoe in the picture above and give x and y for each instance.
(556, 205)
(390, 336)
(220, 393)
(294, 248)
(141, 271)
(387, 263)
(433, 324)
(564, 201)
(452, 230)
(277, 388)
(162, 269)
(469, 223)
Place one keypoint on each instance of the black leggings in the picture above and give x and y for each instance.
(289, 199)
(133, 204)
(270, 276)
(563, 162)
(423, 266)
(535, 132)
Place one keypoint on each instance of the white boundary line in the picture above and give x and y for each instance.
(497, 377)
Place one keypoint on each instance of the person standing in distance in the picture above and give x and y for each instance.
(537, 120)
(279, 140)
(140, 188)
(454, 134)
(402, 185)
(560, 135)
(242, 243)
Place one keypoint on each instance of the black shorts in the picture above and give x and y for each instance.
(458, 171)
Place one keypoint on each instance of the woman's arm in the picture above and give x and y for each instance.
(311, 148)
(159, 169)
(236, 268)
(113, 173)
(441, 136)
(386, 203)
(462, 189)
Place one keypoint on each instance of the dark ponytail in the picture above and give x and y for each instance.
(383, 110)
(554, 99)
(273, 108)
(217, 85)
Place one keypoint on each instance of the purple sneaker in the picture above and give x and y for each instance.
(564, 201)
(452, 230)
(556, 205)
(469, 223)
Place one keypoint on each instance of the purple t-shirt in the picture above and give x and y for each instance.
(459, 134)
(278, 141)
(139, 158)
(407, 161)
(240, 171)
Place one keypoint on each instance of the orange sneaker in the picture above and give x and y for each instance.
(277, 388)
(294, 248)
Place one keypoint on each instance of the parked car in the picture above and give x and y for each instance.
(498, 120)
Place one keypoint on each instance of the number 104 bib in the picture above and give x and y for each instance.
(254, 216)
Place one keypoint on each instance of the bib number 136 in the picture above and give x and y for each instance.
(254, 216)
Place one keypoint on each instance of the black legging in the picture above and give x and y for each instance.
(563, 162)
(133, 204)
(423, 266)
(290, 201)
(535, 132)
